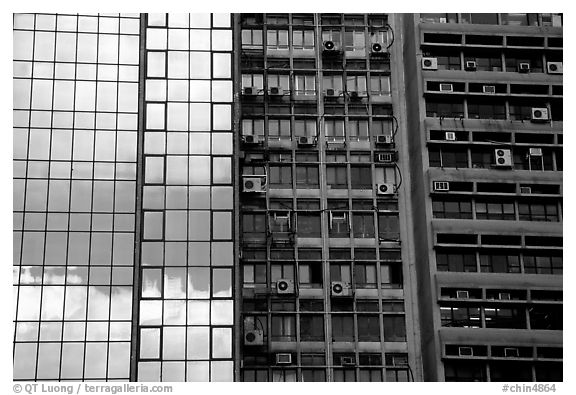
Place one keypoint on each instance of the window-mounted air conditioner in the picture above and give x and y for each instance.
(526, 190)
(446, 88)
(250, 91)
(340, 289)
(387, 157)
(504, 295)
(283, 359)
(399, 360)
(470, 65)
(383, 139)
(331, 92)
(285, 287)
(503, 157)
(305, 141)
(254, 338)
(511, 352)
(276, 91)
(462, 295)
(523, 67)
(347, 361)
(385, 189)
(535, 151)
(491, 89)
(252, 184)
(465, 351)
(450, 136)
(441, 186)
(251, 139)
(540, 114)
(554, 67)
(429, 63)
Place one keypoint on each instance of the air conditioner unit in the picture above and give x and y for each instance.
(276, 91)
(465, 351)
(462, 295)
(429, 64)
(535, 151)
(503, 158)
(384, 139)
(470, 65)
(450, 136)
(377, 49)
(523, 67)
(489, 89)
(285, 287)
(347, 361)
(388, 157)
(329, 46)
(283, 359)
(254, 338)
(305, 141)
(385, 189)
(446, 88)
(504, 295)
(539, 114)
(399, 360)
(554, 67)
(526, 190)
(251, 139)
(511, 352)
(330, 92)
(441, 186)
(252, 184)
(340, 289)
(250, 91)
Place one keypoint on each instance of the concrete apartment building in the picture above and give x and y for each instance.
(288, 197)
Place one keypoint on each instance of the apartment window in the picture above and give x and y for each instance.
(445, 108)
(356, 83)
(342, 328)
(380, 85)
(546, 317)
(514, 58)
(280, 176)
(482, 159)
(354, 40)
(365, 275)
(361, 177)
(311, 328)
(394, 328)
(332, 35)
(388, 227)
(279, 129)
(251, 38)
(439, 18)
(454, 209)
(505, 318)
(336, 177)
(519, 19)
(485, 60)
(345, 375)
(313, 375)
(340, 272)
(368, 328)
(479, 18)
(309, 225)
(280, 221)
(283, 327)
(456, 262)
(277, 19)
(547, 212)
(543, 264)
(463, 317)
(307, 176)
(358, 129)
(303, 39)
(363, 225)
(281, 270)
(310, 275)
(370, 375)
(464, 371)
(253, 127)
(334, 129)
(279, 80)
(254, 273)
(284, 375)
(391, 274)
(552, 19)
(277, 39)
(305, 84)
(495, 210)
(448, 60)
(486, 110)
(253, 225)
(499, 263)
(305, 127)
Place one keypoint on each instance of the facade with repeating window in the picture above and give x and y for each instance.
(486, 114)
(287, 197)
